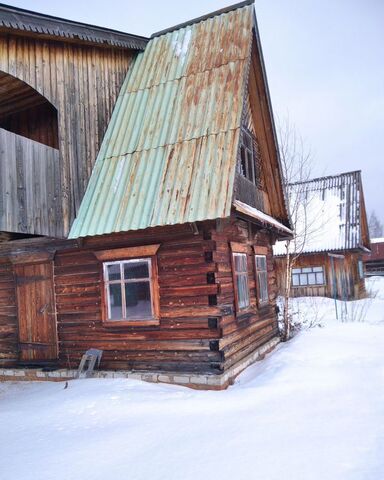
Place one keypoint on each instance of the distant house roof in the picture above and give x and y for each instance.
(28, 22)
(377, 240)
(328, 214)
(169, 154)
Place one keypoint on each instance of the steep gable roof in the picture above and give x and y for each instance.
(330, 214)
(169, 153)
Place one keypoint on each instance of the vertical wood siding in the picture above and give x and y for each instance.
(8, 317)
(29, 185)
(82, 82)
(346, 270)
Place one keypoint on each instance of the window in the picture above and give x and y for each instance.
(308, 276)
(361, 269)
(130, 285)
(240, 272)
(262, 278)
(249, 154)
(128, 289)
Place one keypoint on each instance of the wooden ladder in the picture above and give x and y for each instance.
(88, 363)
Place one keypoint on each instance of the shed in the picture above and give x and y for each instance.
(332, 237)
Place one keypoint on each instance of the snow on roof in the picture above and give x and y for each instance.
(326, 214)
(377, 240)
(260, 216)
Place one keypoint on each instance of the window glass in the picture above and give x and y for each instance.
(303, 279)
(136, 269)
(361, 269)
(262, 278)
(295, 280)
(243, 292)
(319, 278)
(241, 279)
(128, 297)
(113, 271)
(138, 300)
(311, 279)
(115, 301)
(317, 269)
(306, 270)
(248, 156)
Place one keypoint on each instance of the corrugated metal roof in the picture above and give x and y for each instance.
(14, 18)
(327, 214)
(169, 153)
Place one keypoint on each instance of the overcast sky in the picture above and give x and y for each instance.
(325, 66)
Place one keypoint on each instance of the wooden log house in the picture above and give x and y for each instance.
(337, 238)
(168, 265)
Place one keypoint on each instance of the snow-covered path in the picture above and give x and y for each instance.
(313, 410)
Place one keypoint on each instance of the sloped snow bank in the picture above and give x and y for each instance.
(313, 410)
(314, 311)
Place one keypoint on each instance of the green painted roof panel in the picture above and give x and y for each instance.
(169, 153)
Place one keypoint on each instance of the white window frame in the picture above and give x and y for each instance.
(122, 282)
(301, 275)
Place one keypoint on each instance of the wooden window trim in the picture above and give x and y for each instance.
(117, 254)
(261, 303)
(237, 248)
(126, 254)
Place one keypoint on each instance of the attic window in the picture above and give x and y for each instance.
(249, 156)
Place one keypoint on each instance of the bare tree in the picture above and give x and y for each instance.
(296, 162)
(375, 226)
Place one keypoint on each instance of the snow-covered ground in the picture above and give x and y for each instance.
(313, 410)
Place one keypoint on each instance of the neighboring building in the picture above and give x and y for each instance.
(374, 262)
(59, 81)
(168, 266)
(331, 222)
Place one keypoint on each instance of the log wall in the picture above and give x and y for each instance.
(82, 82)
(199, 330)
(242, 333)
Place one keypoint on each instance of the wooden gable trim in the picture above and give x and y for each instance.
(128, 252)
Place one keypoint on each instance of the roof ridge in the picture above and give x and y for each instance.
(215, 13)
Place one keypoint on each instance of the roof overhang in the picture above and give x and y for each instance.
(27, 23)
(263, 219)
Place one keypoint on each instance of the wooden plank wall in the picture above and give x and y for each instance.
(8, 317)
(82, 82)
(29, 185)
(347, 267)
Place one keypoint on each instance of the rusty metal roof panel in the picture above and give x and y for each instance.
(169, 153)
